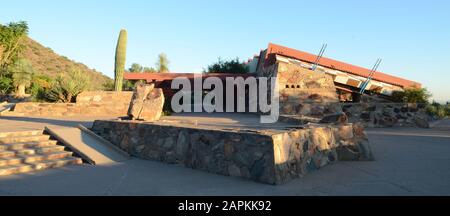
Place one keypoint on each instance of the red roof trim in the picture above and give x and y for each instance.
(337, 65)
(149, 77)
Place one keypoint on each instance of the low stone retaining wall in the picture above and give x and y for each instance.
(272, 157)
(95, 103)
(387, 114)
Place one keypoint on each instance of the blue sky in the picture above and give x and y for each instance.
(412, 37)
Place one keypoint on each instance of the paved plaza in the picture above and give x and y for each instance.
(408, 161)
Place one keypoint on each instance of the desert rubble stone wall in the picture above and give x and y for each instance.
(272, 158)
(387, 114)
(307, 96)
(301, 151)
(305, 92)
(91, 103)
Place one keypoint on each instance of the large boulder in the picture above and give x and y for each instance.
(147, 103)
(355, 147)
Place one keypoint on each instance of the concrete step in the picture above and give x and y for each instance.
(38, 165)
(7, 161)
(43, 157)
(9, 140)
(55, 163)
(21, 133)
(26, 151)
(39, 150)
(33, 144)
(13, 169)
(50, 149)
(7, 153)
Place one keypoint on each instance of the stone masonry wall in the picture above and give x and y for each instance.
(249, 155)
(95, 103)
(305, 92)
(272, 158)
(307, 96)
(387, 114)
(105, 97)
(299, 152)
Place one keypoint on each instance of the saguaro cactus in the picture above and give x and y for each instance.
(121, 50)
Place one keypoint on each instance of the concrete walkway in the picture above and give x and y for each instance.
(89, 146)
(409, 161)
(23, 123)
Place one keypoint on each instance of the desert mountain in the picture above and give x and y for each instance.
(47, 62)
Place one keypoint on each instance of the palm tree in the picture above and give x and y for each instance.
(162, 65)
(1, 53)
(22, 73)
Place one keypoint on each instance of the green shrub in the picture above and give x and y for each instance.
(232, 66)
(135, 68)
(431, 110)
(149, 70)
(411, 95)
(37, 92)
(441, 112)
(65, 88)
(128, 85)
(40, 84)
(447, 109)
(438, 110)
(11, 36)
(108, 85)
(6, 84)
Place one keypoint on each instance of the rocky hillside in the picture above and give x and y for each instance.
(47, 62)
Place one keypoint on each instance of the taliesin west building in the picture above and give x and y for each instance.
(347, 78)
(302, 91)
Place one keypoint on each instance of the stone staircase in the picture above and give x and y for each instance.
(26, 151)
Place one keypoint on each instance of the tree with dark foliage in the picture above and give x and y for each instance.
(233, 66)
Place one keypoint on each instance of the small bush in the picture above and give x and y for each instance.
(65, 88)
(447, 109)
(6, 84)
(438, 110)
(40, 84)
(411, 95)
(108, 85)
(128, 85)
(37, 92)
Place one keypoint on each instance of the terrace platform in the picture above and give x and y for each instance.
(237, 144)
